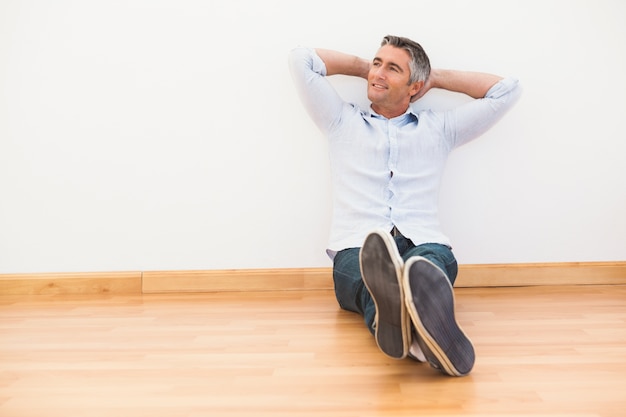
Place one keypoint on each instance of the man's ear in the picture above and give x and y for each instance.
(415, 89)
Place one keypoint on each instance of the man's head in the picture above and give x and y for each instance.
(419, 64)
(398, 71)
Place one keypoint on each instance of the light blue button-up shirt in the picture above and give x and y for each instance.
(387, 172)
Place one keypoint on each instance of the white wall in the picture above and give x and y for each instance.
(150, 135)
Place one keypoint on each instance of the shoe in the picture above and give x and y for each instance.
(430, 303)
(381, 268)
(416, 352)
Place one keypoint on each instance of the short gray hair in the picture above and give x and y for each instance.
(419, 63)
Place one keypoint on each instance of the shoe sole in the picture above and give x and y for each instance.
(381, 269)
(430, 304)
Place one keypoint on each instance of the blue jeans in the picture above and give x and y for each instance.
(350, 290)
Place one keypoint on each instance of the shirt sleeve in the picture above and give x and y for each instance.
(472, 119)
(320, 99)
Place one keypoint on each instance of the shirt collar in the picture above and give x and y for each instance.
(406, 116)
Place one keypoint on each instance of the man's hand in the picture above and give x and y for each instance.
(474, 84)
(345, 64)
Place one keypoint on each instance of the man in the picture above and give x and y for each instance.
(391, 262)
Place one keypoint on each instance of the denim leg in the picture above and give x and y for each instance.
(350, 290)
(440, 255)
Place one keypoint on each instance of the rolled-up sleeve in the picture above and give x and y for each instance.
(320, 99)
(472, 119)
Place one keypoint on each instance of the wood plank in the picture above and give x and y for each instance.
(488, 275)
(542, 351)
(564, 273)
(238, 280)
(71, 283)
(291, 279)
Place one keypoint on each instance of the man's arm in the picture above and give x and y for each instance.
(474, 84)
(345, 64)
(320, 99)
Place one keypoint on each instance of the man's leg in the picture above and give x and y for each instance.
(350, 290)
(381, 267)
(440, 255)
(429, 273)
(368, 281)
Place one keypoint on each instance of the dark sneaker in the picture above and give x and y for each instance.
(430, 303)
(381, 268)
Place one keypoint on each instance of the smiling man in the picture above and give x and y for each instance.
(391, 261)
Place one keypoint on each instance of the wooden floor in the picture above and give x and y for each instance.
(541, 351)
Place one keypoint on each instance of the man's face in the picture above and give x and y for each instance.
(388, 81)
